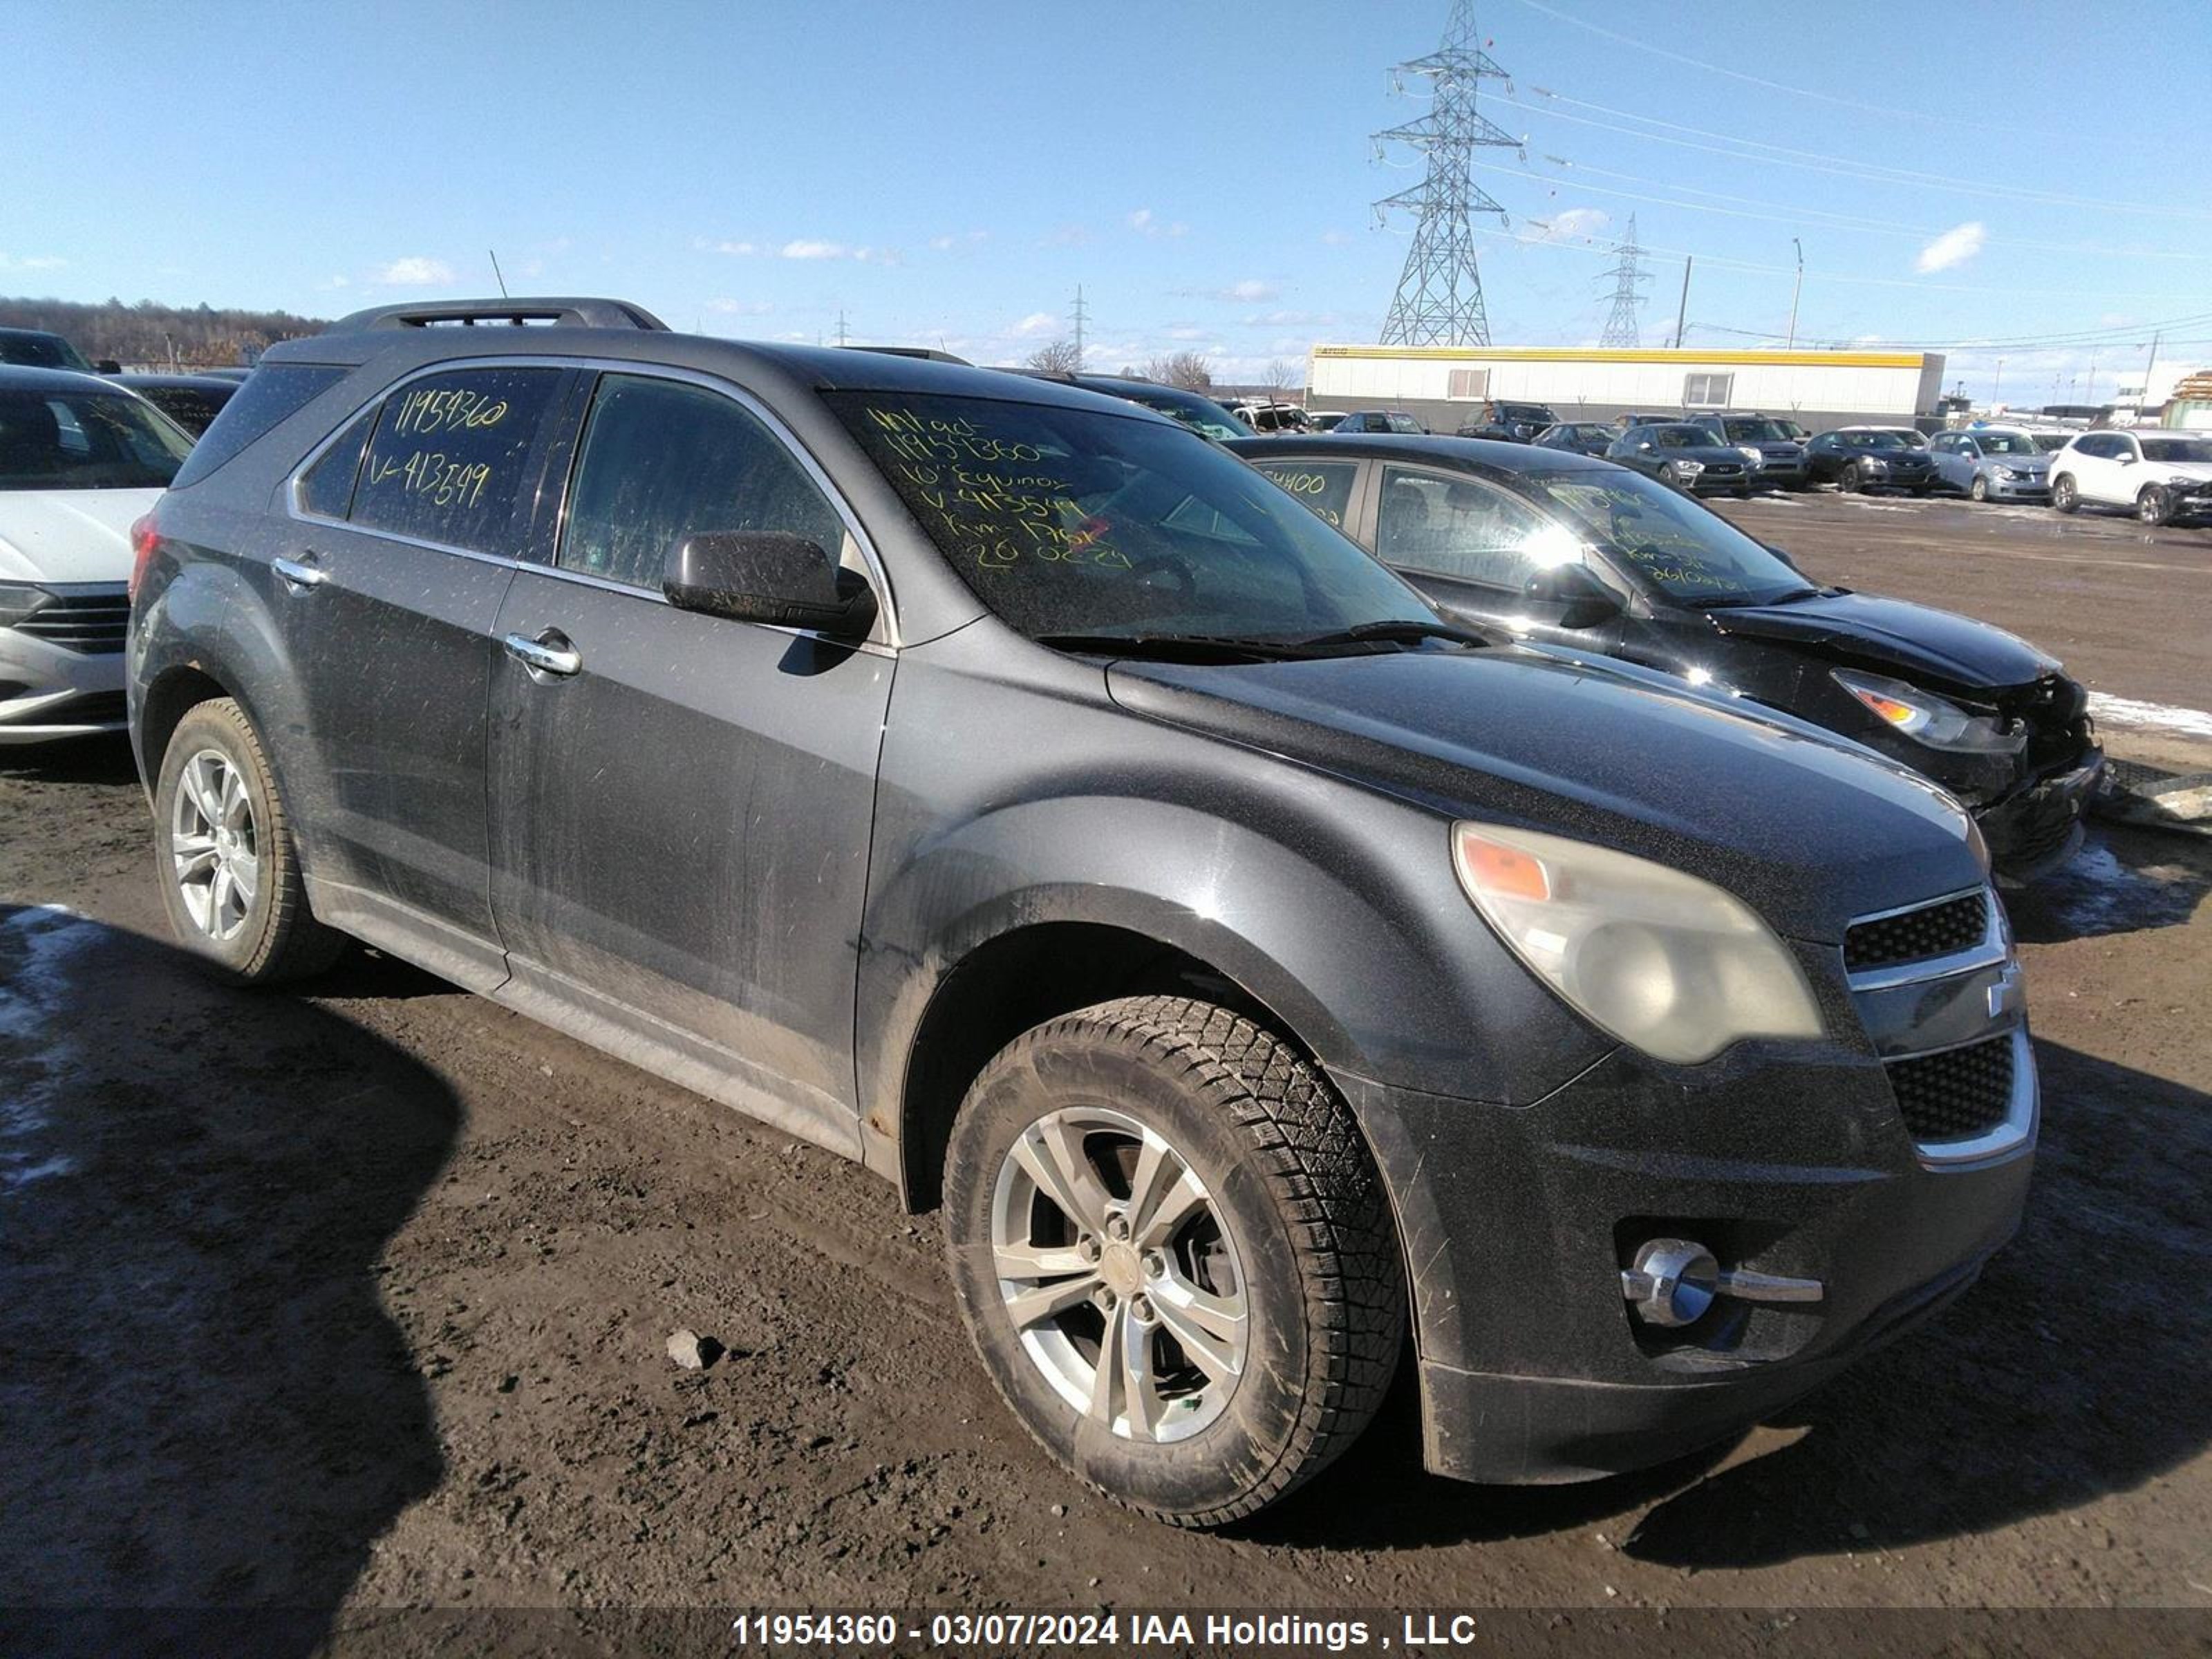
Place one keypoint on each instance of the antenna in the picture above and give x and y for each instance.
(496, 276)
(1621, 328)
(1439, 298)
(1081, 317)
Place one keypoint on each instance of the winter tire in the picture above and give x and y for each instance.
(230, 873)
(1174, 1255)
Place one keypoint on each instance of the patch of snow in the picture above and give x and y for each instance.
(40, 1017)
(2150, 716)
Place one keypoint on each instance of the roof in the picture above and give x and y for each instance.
(22, 377)
(189, 381)
(1687, 356)
(1398, 446)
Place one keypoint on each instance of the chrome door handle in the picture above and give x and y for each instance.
(300, 576)
(543, 654)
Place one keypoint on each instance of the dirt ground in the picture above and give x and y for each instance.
(356, 1300)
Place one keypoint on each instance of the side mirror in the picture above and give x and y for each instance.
(1644, 446)
(1583, 600)
(767, 576)
(2124, 458)
(108, 366)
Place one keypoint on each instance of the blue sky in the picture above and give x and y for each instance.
(950, 172)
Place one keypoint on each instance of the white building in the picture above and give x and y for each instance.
(1444, 386)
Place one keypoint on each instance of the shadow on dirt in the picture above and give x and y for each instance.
(207, 1404)
(81, 760)
(2122, 881)
(2074, 1369)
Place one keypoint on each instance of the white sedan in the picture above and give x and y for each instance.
(80, 460)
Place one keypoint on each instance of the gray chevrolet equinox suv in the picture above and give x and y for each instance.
(999, 784)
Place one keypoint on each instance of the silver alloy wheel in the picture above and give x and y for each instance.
(215, 847)
(1122, 1282)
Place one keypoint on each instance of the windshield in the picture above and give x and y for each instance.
(1199, 414)
(86, 441)
(2003, 443)
(1071, 521)
(1873, 440)
(34, 350)
(1526, 412)
(2052, 442)
(1670, 546)
(1754, 432)
(2178, 449)
(1681, 437)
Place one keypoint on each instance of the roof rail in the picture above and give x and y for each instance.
(501, 313)
(929, 352)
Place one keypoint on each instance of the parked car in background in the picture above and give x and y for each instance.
(1863, 457)
(1781, 456)
(35, 348)
(2160, 477)
(1378, 420)
(1657, 417)
(1265, 416)
(80, 460)
(1577, 437)
(1192, 409)
(1913, 436)
(1687, 457)
(1992, 464)
(193, 401)
(1512, 422)
(1112, 854)
(1580, 555)
(1323, 420)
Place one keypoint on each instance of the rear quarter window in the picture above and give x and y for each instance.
(273, 393)
(451, 456)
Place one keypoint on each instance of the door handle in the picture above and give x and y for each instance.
(548, 654)
(298, 576)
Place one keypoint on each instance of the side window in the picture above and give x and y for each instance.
(1324, 488)
(326, 487)
(448, 458)
(1458, 527)
(662, 460)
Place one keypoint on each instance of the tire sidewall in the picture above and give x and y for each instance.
(2151, 505)
(217, 726)
(1979, 489)
(1068, 1066)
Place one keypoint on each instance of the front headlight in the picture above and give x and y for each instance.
(1874, 464)
(2005, 472)
(18, 600)
(1926, 717)
(1686, 469)
(1752, 455)
(1666, 963)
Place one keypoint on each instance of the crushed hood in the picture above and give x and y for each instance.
(1915, 640)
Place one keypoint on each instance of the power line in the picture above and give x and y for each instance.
(1745, 149)
(1645, 50)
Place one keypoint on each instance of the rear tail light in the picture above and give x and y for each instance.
(143, 540)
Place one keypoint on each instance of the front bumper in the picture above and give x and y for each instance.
(2034, 488)
(1783, 1159)
(2041, 828)
(49, 691)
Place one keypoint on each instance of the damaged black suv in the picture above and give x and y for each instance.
(1003, 786)
(1574, 553)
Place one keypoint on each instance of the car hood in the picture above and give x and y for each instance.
(2185, 472)
(1809, 829)
(2020, 463)
(1703, 454)
(70, 535)
(1920, 641)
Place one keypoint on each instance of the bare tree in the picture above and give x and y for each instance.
(1057, 357)
(1186, 369)
(1282, 375)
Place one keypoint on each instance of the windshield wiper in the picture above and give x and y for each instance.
(1395, 631)
(1172, 647)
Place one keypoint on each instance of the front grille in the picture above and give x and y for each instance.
(1941, 929)
(1956, 1095)
(92, 623)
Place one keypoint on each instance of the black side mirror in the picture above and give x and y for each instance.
(108, 366)
(767, 576)
(1583, 600)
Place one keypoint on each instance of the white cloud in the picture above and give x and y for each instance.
(1954, 247)
(1187, 333)
(740, 308)
(416, 272)
(1144, 222)
(743, 250)
(1334, 238)
(1292, 319)
(1037, 322)
(334, 282)
(31, 262)
(947, 242)
(812, 250)
(1574, 225)
(1141, 218)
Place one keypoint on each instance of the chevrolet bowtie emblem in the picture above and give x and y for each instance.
(2007, 996)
